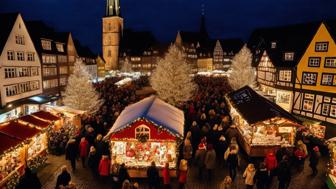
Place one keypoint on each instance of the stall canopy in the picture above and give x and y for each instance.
(7, 142)
(18, 130)
(46, 116)
(154, 110)
(35, 121)
(254, 108)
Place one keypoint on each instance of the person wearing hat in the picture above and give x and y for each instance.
(210, 160)
(199, 159)
(314, 159)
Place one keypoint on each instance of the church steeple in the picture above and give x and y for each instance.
(112, 8)
(203, 30)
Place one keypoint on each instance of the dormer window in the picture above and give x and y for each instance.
(59, 47)
(46, 45)
(289, 56)
(142, 133)
(273, 45)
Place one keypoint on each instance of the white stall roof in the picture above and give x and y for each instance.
(155, 110)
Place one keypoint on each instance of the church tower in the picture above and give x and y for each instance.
(112, 30)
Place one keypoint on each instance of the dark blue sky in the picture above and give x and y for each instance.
(235, 18)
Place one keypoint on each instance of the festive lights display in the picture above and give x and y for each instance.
(13, 180)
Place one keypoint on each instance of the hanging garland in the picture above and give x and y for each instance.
(13, 180)
(37, 162)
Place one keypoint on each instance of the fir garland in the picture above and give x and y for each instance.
(13, 180)
(37, 162)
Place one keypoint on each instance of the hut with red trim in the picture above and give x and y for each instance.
(149, 130)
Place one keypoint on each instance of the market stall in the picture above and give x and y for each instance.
(331, 175)
(39, 123)
(149, 130)
(262, 125)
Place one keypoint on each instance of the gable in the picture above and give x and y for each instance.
(265, 61)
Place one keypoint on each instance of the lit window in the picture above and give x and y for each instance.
(273, 45)
(30, 57)
(327, 79)
(20, 56)
(19, 39)
(10, 55)
(314, 61)
(308, 105)
(325, 109)
(309, 78)
(321, 46)
(285, 75)
(142, 132)
(10, 72)
(59, 47)
(330, 62)
(333, 110)
(289, 56)
(46, 45)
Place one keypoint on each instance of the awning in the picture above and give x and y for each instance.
(18, 130)
(35, 121)
(46, 116)
(7, 142)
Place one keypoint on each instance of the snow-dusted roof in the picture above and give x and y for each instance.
(155, 110)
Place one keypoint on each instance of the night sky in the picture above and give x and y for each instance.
(224, 19)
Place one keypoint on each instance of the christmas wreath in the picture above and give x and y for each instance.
(142, 138)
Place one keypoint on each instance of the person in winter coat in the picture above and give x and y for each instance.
(122, 174)
(233, 142)
(187, 150)
(221, 148)
(227, 183)
(210, 161)
(262, 176)
(300, 157)
(99, 145)
(29, 181)
(63, 179)
(231, 132)
(71, 153)
(104, 167)
(303, 147)
(93, 161)
(232, 161)
(196, 134)
(199, 159)
(182, 174)
(284, 173)
(166, 176)
(281, 152)
(153, 176)
(271, 164)
(83, 150)
(249, 174)
(314, 159)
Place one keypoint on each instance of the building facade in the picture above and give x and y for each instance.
(20, 68)
(112, 31)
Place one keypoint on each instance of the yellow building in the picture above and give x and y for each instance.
(315, 83)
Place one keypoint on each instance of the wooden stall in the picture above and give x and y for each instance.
(262, 125)
(149, 130)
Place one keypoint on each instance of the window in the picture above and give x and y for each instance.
(142, 132)
(34, 71)
(19, 39)
(330, 62)
(19, 88)
(59, 47)
(289, 56)
(321, 46)
(314, 61)
(20, 56)
(273, 45)
(49, 71)
(48, 59)
(50, 83)
(135, 58)
(333, 111)
(308, 105)
(309, 78)
(10, 55)
(63, 70)
(23, 71)
(11, 90)
(285, 75)
(61, 59)
(30, 57)
(325, 109)
(46, 45)
(10, 72)
(327, 79)
(63, 81)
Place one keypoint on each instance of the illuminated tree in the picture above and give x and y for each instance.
(242, 72)
(172, 79)
(80, 93)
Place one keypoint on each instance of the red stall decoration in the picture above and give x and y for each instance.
(46, 116)
(42, 124)
(149, 130)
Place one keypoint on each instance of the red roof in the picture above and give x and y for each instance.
(16, 129)
(35, 121)
(7, 142)
(46, 116)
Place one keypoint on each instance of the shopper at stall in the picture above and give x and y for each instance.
(232, 161)
(210, 161)
(93, 161)
(261, 177)
(122, 174)
(63, 179)
(199, 159)
(104, 167)
(182, 173)
(271, 165)
(249, 175)
(187, 151)
(300, 156)
(153, 176)
(83, 150)
(284, 173)
(221, 147)
(71, 153)
(29, 180)
(231, 132)
(166, 176)
(314, 159)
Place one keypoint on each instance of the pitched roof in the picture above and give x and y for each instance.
(290, 38)
(7, 21)
(134, 43)
(7, 142)
(231, 45)
(152, 109)
(254, 108)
